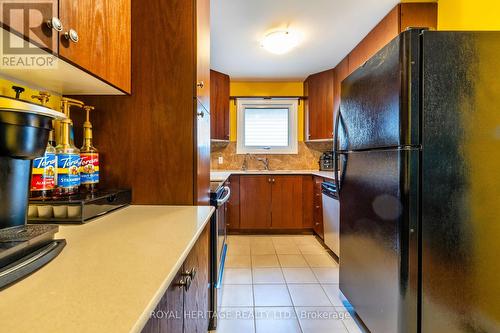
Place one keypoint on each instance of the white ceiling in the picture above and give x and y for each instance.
(331, 29)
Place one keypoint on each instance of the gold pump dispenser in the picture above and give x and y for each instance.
(68, 156)
(44, 170)
(89, 156)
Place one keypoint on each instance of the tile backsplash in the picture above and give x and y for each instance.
(306, 159)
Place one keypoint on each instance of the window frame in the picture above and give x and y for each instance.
(255, 103)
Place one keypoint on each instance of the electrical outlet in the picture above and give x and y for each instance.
(221, 160)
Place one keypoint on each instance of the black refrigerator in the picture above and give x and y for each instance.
(418, 143)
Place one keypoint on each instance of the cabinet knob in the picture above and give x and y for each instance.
(55, 23)
(190, 273)
(72, 36)
(317, 223)
(200, 84)
(184, 283)
(269, 180)
(317, 207)
(273, 180)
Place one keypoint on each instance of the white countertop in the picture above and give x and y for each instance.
(223, 175)
(111, 274)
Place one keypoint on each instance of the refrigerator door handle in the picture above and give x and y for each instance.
(336, 154)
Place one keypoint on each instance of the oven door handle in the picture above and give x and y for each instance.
(222, 201)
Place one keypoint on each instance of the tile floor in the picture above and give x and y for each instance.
(282, 284)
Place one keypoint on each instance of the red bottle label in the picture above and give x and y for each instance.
(89, 168)
(44, 173)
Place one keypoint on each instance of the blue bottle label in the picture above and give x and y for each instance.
(68, 170)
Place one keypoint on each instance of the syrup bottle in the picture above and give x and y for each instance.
(89, 170)
(44, 169)
(68, 156)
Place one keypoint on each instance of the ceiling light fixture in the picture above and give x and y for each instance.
(280, 42)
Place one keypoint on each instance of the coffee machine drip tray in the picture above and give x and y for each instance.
(26, 248)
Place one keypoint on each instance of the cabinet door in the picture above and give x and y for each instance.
(286, 207)
(203, 52)
(319, 106)
(104, 31)
(168, 314)
(196, 297)
(219, 106)
(255, 202)
(233, 205)
(318, 207)
(202, 176)
(307, 201)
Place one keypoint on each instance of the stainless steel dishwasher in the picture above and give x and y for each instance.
(331, 216)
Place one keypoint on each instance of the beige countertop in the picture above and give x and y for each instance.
(222, 175)
(111, 274)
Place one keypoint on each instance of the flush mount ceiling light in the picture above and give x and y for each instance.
(280, 42)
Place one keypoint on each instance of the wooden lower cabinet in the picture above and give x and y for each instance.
(233, 205)
(182, 309)
(255, 202)
(271, 202)
(286, 202)
(318, 207)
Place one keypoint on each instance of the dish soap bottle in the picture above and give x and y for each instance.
(44, 170)
(89, 170)
(68, 156)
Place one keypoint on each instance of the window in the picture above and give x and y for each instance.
(267, 126)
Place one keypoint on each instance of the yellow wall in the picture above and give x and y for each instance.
(468, 15)
(266, 89)
(6, 90)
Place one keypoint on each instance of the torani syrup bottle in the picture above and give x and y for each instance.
(89, 169)
(68, 156)
(44, 172)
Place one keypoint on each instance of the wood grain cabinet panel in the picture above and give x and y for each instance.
(167, 143)
(233, 205)
(179, 309)
(219, 106)
(167, 317)
(104, 45)
(203, 52)
(196, 297)
(318, 207)
(286, 207)
(307, 201)
(319, 106)
(255, 202)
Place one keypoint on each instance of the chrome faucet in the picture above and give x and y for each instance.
(265, 161)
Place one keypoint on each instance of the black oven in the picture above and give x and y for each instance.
(219, 195)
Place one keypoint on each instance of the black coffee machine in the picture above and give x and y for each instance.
(24, 132)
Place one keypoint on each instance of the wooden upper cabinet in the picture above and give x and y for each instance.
(219, 106)
(341, 72)
(255, 202)
(286, 207)
(319, 106)
(203, 52)
(400, 18)
(104, 38)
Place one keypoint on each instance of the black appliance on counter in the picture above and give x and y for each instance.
(326, 161)
(219, 195)
(77, 209)
(419, 140)
(24, 133)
